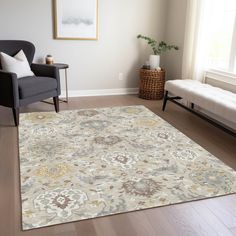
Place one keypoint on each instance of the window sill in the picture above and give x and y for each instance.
(221, 74)
(221, 79)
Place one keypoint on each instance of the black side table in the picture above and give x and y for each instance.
(62, 66)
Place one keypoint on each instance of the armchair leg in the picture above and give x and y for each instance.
(16, 114)
(56, 104)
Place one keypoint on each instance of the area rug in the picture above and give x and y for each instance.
(83, 164)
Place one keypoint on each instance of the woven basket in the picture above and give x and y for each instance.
(151, 84)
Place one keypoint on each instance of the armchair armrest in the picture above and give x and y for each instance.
(45, 70)
(9, 93)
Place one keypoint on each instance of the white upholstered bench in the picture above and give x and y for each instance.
(213, 99)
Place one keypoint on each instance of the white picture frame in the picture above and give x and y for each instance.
(76, 19)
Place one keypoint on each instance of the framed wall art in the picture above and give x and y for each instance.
(76, 19)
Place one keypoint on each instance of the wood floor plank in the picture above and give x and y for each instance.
(183, 219)
(122, 225)
(160, 222)
(103, 226)
(6, 182)
(126, 224)
(186, 221)
(224, 209)
(140, 224)
(233, 231)
(85, 228)
(211, 219)
(67, 229)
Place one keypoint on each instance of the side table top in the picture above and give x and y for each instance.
(60, 65)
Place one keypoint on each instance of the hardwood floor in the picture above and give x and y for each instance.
(215, 216)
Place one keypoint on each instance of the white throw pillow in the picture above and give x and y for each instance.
(17, 64)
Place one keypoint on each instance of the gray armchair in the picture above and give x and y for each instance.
(15, 93)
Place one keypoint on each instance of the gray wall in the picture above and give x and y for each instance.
(96, 64)
(175, 33)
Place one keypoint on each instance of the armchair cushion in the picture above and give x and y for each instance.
(32, 85)
(17, 64)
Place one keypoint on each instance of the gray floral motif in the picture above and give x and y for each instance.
(44, 131)
(107, 140)
(88, 113)
(46, 147)
(96, 124)
(143, 187)
(211, 177)
(185, 154)
(190, 192)
(83, 151)
(165, 136)
(142, 143)
(60, 202)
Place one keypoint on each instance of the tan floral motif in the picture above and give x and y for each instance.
(142, 187)
(147, 122)
(40, 117)
(132, 110)
(54, 172)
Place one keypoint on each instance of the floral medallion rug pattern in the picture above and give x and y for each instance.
(83, 164)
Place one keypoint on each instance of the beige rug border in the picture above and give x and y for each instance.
(128, 212)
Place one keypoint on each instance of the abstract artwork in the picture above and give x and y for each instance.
(76, 19)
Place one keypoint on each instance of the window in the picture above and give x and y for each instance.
(221, 35)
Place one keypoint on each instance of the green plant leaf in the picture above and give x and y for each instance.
(157, 48)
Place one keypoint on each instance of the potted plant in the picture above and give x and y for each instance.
(158, 49)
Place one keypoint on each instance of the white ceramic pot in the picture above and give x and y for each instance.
(154, 61)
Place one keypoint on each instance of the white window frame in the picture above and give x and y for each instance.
(232, 60)
(225, 79)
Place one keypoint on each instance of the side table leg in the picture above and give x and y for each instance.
(67, 97)
(66, 100)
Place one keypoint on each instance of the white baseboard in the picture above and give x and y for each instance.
(101, 92)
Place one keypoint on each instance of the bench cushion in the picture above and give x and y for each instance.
(214, 99)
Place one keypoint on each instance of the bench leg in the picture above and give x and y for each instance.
(165, 101)
(192, 105)
(16, 114)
